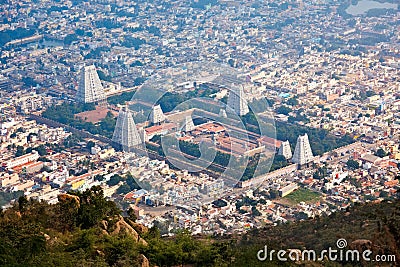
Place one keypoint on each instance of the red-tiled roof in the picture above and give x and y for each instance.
(270, 141)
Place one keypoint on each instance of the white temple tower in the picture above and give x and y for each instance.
(188, 124)
(126, 133)
(157, 115)
(285, 150)
(237, 101)
(302, 153)
(222, 113)
(90, 89)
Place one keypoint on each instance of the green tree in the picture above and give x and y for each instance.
(103, 76)
(41, 149)
(384, 194)
(283, 110)
(22, 203)
(273, 194)
(114, 180)
(131, 182)
(99, 177)
(70, 38)
(123, 189)
(292, 101)
(20, 151)
(380, 153)
(352, 164)
(255, 211)
(321, 173)
(132, 215)
(90, 144)
(94, 207)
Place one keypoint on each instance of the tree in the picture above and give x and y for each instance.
(22, 203)
(20, 151)
(231, 62)
(107, 124)
(301, 216)
(114, 180)
(44, 159)
(132, 215)
(283, 110)
(130, 180)
(123, 189)
(273, 193)
(130, 41)
(99, 177)
(80, 32)
(154, 30)
(90, 144)
(41, 149)
(321, 173)
(255, 211)
(94, 207)
(70, 38)
(103, 76)
(29, 81)
(120, 99)
(370, 93)
(384, 194)
(292, 101)
(139, 81)
(380, 153)
(352, 164)
(136, 63)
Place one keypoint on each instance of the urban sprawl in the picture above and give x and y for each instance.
(329, 79)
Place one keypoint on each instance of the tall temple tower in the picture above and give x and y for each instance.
(90, 89)
(126, 133)
(188, 124)
(302, 153)
(157, 115)
(237, 101)
(284, 150)
(222, 113)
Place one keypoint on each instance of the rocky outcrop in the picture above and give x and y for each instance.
(122, 227)
(144, 262)
(69, 197)
(140, 228)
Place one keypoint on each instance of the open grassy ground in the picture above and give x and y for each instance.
(302, 195)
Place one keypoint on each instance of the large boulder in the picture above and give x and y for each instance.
(69, 197)
(122, 227)
(144, 262)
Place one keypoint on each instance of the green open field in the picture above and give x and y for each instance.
(302, 194)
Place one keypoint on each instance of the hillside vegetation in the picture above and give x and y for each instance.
(85, 229)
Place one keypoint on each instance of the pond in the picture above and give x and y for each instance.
(363, 6)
